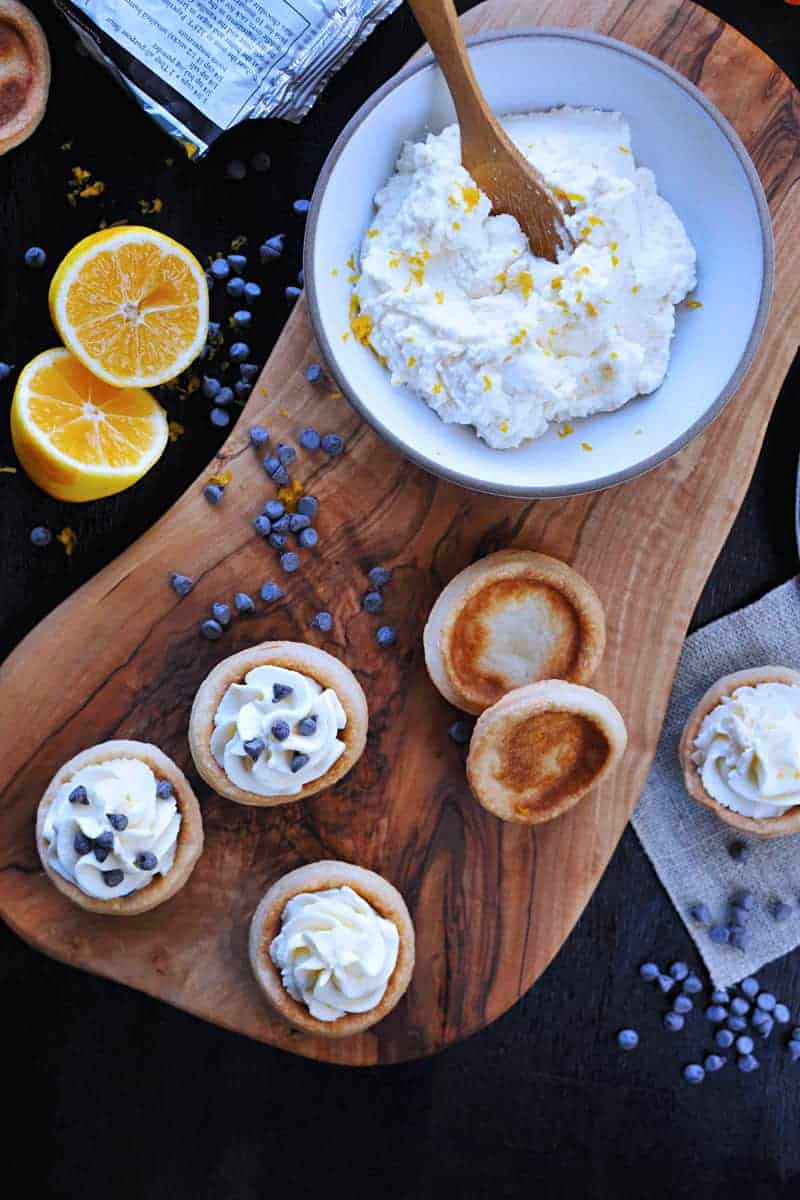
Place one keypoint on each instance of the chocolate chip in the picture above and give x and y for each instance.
(254, 747)
(117, 821)
(82, 843)
(113, 878)
(280, 690)
(78, 795)
(298, 762)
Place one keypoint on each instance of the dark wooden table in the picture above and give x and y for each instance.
(114, 1095)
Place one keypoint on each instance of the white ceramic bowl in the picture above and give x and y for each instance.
(701, 167)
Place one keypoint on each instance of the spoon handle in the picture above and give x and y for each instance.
(439, 22)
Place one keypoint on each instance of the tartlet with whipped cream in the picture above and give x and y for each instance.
(278, 722)
(332, 948)
(740, 751)
(119, 829)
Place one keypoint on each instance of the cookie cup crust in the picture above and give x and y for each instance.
(28, 56)
(329, 672)
(443, 630)
(765, 827)
(190, 835)
(266, 925)
(540, 749)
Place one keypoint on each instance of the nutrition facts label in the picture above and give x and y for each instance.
(215, 53)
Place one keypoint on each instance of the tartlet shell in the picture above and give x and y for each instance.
(493, 750)
(35, 71)
(294, 656)
(765, 827)
(467, 689)
(316, 877)
(190, 836)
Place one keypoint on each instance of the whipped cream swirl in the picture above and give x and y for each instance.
(112, 827)
(277, 731)
(748, 750)
(334, 953)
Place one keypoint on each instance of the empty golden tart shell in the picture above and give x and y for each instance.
(535, 753)
(511, 619)
(24, 74)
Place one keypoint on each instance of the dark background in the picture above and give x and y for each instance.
(110, 1094)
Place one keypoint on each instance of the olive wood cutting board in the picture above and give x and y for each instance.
(492, 903)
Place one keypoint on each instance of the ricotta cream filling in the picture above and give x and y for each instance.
(458, 309)
(748, 750)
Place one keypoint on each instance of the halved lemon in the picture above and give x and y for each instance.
(77, 437)
(132, 305)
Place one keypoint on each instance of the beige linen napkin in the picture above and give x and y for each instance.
(687, 845)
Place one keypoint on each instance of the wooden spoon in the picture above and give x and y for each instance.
(512, 184)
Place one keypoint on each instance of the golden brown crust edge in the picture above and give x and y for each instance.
(190, 836)
(472, 579)
(548, 695)
(328, 670)
(265, 925)
(765, 827)
(24, 122)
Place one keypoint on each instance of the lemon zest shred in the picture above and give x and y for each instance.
(69, 540)
(362, 328)
(565, 431)
(487, 383)
(524, 281)
(439, 294)
(694, 303)
(222, 479)
(471, 198)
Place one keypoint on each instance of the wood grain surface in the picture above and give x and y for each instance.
(491, 903)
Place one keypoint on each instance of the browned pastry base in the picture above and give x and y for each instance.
(511, 619)
(328, 672)
(190, 835)
(536, 752)
(788, 822)
(24, 74)
(266, 925)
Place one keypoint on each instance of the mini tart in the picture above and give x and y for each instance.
(317, 664)
(508, 620)
(24, 74)
(190, 836)
(266, 925)
(788, 822)
(536, 752)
